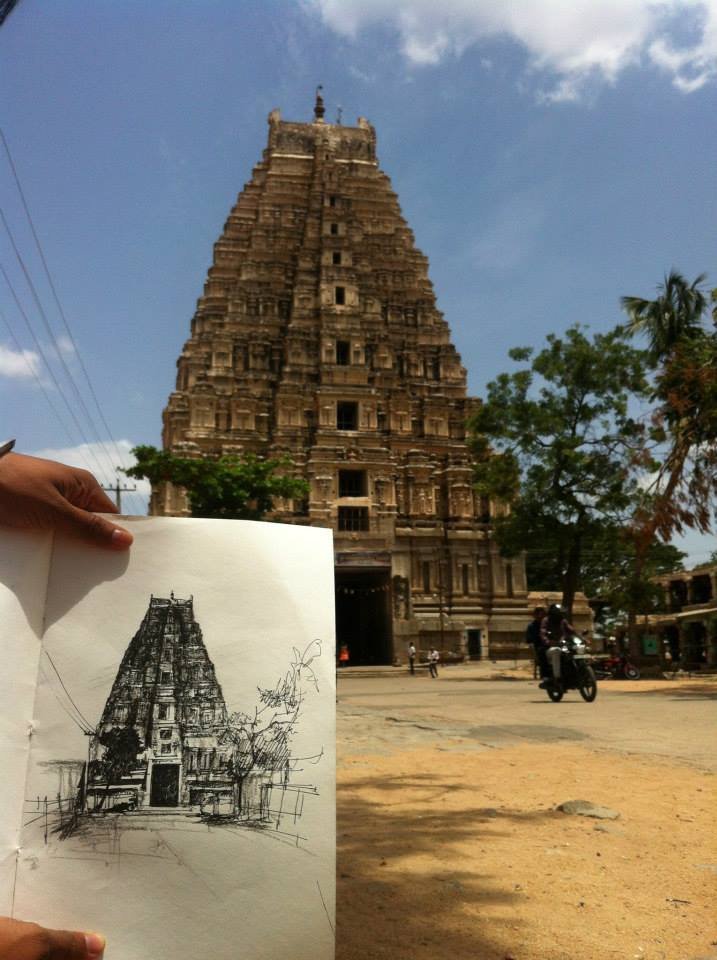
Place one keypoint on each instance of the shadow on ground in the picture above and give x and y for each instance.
(687, 691)
(402, 892)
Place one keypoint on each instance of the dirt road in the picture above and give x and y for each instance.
(450, 844)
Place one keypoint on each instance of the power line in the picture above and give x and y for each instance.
(39, 382)
(5, 8)
(68, 373)
(55, 295)
(56, 412)
(79, 712)
(40, 350)
(64, 707)
(53, 338)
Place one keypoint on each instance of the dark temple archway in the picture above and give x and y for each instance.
(363, 616)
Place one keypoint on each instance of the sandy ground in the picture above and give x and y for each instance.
(447, 852)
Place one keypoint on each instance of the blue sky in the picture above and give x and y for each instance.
(549, 155)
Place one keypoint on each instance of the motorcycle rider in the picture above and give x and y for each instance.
(554, 628)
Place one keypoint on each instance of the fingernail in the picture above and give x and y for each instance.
(95, 944)
(121, 538)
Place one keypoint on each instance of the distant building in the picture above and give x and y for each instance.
(318, 337)
(688, 628)
(166, 691)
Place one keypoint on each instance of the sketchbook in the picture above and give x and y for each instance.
(168, 730)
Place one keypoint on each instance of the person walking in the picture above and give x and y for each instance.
(433, 659)
(412, 657)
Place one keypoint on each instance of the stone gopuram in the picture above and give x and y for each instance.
(318, 337)
(167, 697)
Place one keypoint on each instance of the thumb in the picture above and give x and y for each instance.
(92, 526)
(65, 945)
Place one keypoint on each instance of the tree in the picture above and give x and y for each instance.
(683, 353)
(122, 744)
(262, 740)
(228, 487)
(674, 317)
(625, 588)
(556, 443)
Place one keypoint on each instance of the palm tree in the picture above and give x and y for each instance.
(675, 316)
(681, 493)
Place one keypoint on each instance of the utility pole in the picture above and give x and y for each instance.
(118, 490)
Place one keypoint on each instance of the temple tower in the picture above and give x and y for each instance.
(167, 698)
(318, 336)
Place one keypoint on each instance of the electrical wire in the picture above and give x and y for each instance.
(60, 309)
(39, 382)
(79, 712)
(53, 339)
(40, 350)
(63, 706)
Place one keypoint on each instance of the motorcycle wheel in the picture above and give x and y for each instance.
(555, 693)
(587, 685)
(631, 672)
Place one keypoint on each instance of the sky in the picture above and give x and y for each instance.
(549, 155)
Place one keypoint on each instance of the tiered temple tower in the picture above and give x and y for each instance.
(318, 337)
(166, 691)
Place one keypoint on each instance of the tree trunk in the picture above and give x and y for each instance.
(571, 577)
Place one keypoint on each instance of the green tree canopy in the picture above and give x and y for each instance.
(619, 581)
(121, 747)
(556, 441)
(229, 487)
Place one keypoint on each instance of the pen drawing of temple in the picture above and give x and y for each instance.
(162, 739)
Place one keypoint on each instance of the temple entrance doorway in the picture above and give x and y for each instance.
(363, 616)
(164, 791)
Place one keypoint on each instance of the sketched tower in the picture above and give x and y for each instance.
(167, 691)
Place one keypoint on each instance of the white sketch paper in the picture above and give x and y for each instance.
(179, 776)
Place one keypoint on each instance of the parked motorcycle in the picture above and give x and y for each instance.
(576, 672)
(615, 667)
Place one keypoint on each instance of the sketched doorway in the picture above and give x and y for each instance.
(164, 791)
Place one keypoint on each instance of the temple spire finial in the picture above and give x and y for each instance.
(319, 108)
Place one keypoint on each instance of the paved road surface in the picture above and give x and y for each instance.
(462, 708)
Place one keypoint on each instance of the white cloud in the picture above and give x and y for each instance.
(570, 43)
(19, 364)
(65, 345)
(102, 460)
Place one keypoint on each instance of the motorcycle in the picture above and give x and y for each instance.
(576, 672)
(615, 667)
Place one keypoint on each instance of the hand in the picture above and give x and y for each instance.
(43, 495)
(28, 941)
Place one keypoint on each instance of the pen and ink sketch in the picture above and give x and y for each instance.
(167, 746)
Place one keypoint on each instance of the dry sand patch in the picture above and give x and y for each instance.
(444, 854)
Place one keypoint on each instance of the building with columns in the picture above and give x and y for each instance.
(317, 337)
(688, 628)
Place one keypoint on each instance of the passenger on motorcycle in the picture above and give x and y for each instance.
(554, 629)
(532, 636)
